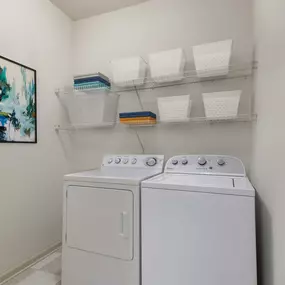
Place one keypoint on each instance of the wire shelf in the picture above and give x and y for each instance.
(85, 127)
(67, 91)
(189, 77)
(239, 118)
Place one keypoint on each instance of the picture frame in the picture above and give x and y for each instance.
(18, 102)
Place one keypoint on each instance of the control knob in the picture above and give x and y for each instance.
(134, 161)
(202, 161)
(110, 160)
(221, 162)
(125, 160)
(184, 161)
(174, 161)
(151, 161)
(118, 160)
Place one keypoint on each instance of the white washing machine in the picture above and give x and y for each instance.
(198, 224)
(101, 221)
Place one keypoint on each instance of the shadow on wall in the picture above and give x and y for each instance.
(264, 231)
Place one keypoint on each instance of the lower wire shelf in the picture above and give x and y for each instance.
(239, 118)
(85, 127)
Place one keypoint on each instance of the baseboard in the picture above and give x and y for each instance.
(12, 273)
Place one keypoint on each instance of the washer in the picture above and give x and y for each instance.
(198, 223)
(101, 221)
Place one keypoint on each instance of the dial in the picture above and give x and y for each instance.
(202, 161)
(118, 160)
(221, 162)
(184, 161)
(134, 161)
(110, 160)
(125, 160)
(151, 161)
(174, 161)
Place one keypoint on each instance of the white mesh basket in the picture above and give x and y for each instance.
(213, 59)
(128, 71)
(221, 105)
(174, 109)
(167, 66)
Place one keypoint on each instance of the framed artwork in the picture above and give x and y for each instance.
(18, 102)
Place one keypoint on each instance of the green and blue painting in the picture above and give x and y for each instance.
(17, 103)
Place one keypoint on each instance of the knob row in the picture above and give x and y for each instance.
(201, 161)
(152, 161)
(118, 160)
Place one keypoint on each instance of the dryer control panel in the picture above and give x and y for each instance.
(134, 161)
(206, 165)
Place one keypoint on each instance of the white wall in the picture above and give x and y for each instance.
(153, 26)
(269, 139)
(36, 34)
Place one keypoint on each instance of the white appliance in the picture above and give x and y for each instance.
(198, 223)
(101, 221)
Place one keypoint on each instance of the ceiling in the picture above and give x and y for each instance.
(79, 9)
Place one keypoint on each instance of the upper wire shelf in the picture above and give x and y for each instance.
(69, 90)
(189, 77)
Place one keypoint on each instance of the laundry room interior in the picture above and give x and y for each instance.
(144, 142)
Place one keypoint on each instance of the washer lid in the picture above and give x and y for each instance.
(239, 186)
(125, 176)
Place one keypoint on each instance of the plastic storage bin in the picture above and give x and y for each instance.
(221, 105)
(174, 109)
(128, 71)
(92, 109)
(167, 66)
(213, 59)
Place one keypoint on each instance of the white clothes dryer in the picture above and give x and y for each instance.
(101, 221)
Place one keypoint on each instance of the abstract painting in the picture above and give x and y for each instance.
(18, 102)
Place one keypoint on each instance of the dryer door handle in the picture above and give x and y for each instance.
(124, 219)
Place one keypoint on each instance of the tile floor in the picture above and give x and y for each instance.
(45, 272)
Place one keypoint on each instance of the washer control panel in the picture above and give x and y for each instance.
(134, 161)
(206, 164)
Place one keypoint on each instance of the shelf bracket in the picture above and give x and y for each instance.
(57, 92)
(139, 98)
(140, 141)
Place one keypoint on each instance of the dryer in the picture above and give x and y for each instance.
(198, 223)
(101, 221)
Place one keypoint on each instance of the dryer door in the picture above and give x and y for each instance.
(100, 221)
